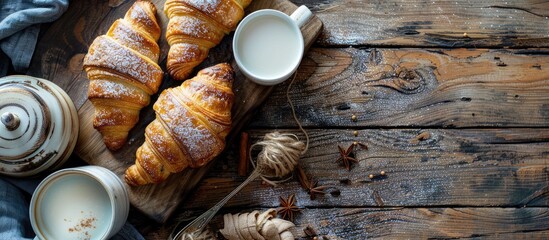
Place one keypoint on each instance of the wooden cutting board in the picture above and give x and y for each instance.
(69, 38)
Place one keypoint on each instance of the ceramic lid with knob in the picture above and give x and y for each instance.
(38, 125)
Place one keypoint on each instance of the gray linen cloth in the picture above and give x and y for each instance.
(19, 28)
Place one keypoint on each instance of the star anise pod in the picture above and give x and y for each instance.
(288, 208)
(314, 189)
(309, 185)
(345, 158)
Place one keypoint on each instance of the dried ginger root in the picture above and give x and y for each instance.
(256, 225)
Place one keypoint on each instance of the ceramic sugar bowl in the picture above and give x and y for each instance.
(39, 125)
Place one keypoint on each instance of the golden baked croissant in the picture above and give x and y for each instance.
(191, 124)
(123, 72)
(194, 27)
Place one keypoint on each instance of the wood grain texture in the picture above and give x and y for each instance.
(156, 201)
(412, 223)
(415, 87)
(487, 182)
(514, 24)
(466, 167)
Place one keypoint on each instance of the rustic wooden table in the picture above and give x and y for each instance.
(451, 98)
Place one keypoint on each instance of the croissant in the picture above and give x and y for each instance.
(123, 72)
(191, 124)
(194, 27)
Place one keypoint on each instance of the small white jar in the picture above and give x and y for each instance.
(38, 126)
(88, 202)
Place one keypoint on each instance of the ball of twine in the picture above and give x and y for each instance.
(279, 155)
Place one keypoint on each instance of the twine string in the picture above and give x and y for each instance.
(280, 151)
(295, 116)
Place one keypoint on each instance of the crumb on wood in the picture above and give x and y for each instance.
(501, 64)
(421, 137)
(309, 231)
(362, 145)
(377, 198)
(324, 223)
(345, 181)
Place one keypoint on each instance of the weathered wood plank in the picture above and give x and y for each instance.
(515, 23)
(412, 223)
(467, 167)
(415, 87)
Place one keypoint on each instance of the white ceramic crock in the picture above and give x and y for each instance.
(95, 217)
(39, 125)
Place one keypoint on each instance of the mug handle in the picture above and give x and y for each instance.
(301, 15)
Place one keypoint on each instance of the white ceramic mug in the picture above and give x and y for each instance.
(88, 202)
(268, 44)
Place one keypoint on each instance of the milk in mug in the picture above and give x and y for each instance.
(75, 207)
(269, 46)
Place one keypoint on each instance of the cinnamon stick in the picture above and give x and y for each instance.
(243, 163)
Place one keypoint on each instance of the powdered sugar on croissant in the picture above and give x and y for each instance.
(191, 124)
(194, 27)
(123, 72)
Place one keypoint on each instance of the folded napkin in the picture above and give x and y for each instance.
(19, 27)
